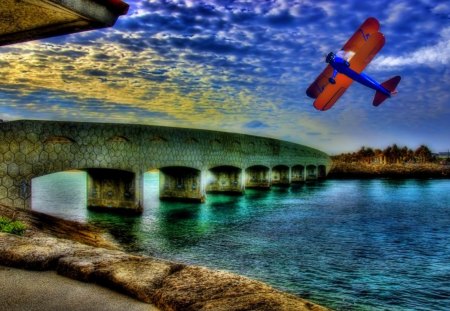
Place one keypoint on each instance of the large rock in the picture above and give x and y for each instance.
(196, 288)
(84, 264)
(137, 276)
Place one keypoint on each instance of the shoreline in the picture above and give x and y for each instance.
(51, 244)
(356, 170)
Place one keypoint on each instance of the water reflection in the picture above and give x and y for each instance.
(127, 233)
(179, 225)
(173, 213)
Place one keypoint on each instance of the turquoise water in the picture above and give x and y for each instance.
(348, 245)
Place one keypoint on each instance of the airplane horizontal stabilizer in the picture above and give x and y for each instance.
(390, 86)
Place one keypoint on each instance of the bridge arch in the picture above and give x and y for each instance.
(257, 176)
(297, 173)
(311, 172)
(225, 179)
(105, 188)
(112, 189)
(321, 171)
(47, 188)
(280, 175)
(181, 183)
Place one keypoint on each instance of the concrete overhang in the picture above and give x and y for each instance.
(25, 20)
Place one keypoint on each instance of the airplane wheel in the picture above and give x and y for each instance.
(332, 81)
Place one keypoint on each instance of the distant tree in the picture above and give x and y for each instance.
(391, 154)
(350, 157)
(365, 154)
(395, 153)
(423, 154)
(360, 153)
(404, 154)
(411, 157)
(387, 153)
(379, 157)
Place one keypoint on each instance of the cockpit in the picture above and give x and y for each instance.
(330, 57)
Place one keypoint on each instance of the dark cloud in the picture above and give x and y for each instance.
(101, 57)
(95, 72)
(256, 124)
(314, 134)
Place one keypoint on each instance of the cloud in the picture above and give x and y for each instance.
(442, 9)
(435, 55)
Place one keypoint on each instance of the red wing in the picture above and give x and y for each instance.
(320, 83)
(369, 27)
(367, 52)
(332, 92)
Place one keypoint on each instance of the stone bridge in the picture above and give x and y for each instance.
(191, 162)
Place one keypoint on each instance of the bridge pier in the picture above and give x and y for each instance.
(321, 172)
(225, 179)
(178, 183)
(113, 190)
(311, 172)
(257, 177)
(297, 174)
(281, 175)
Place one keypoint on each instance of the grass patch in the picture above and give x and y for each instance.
(12, 226)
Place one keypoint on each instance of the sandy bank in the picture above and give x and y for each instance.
(47, 291)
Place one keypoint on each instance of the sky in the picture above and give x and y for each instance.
(241, 66)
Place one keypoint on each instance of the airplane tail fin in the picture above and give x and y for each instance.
(389, 85)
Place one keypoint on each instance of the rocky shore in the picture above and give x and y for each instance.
(359, 170)
(87, 254)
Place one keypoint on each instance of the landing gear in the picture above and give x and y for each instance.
(331, 79)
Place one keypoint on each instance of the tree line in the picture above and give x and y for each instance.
(390, 155)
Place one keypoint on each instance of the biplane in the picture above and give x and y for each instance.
(347, 65)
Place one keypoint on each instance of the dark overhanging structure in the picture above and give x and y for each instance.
(25, 20)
